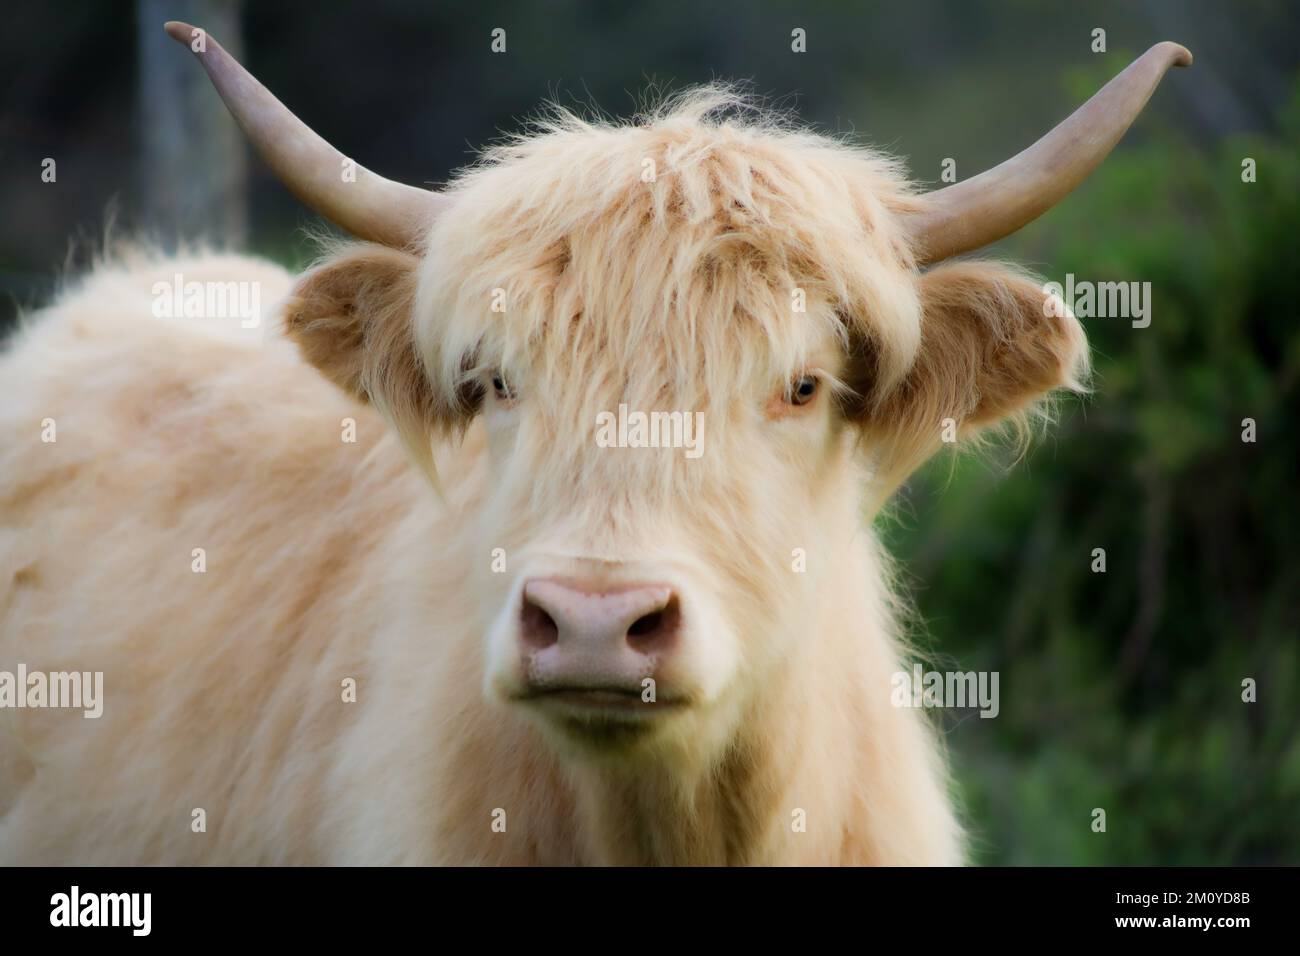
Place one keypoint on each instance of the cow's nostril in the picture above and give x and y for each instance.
(655, 631)
(538, 627)
(645, 625)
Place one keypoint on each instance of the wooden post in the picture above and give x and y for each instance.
(194, 168)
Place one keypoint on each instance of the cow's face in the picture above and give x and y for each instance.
(660, 365)
(683, 380)
(639, 590)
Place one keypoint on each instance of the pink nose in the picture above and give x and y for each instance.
(580, 635)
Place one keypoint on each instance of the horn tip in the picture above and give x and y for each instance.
(1175, 54)
(179, 31)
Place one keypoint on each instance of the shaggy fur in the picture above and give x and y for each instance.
(654, 263)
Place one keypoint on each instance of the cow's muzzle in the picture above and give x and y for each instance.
(589, 648)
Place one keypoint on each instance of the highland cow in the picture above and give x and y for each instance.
(475, 633)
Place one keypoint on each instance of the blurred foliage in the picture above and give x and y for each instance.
(1123, 690)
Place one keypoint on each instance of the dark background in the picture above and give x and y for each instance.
(1119, 690)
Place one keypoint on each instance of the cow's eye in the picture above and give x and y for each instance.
(503, 391)
(803, 390)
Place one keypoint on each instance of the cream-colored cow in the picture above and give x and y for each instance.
(369, 585)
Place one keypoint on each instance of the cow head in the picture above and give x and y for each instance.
(749, 298)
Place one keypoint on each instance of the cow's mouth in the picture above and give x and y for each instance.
(602, 719)
(609, 702)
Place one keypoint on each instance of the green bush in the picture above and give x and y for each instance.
(1123, 690)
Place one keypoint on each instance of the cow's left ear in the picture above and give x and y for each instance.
(992, 346)
(353, 319)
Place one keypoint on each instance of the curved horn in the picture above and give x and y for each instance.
(996, 203)
(371, 207)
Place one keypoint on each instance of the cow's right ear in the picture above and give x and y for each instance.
(352, 318)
